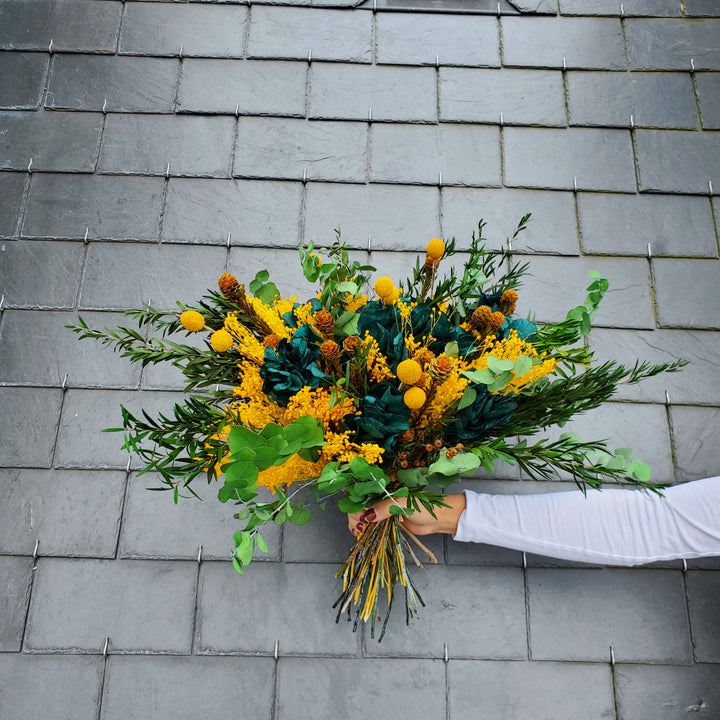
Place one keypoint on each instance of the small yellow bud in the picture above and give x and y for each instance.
(192, 321)
(384, 287)
(409, 372)
(436, 248)
(415, 398)
(221, 340)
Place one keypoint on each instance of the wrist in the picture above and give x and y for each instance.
(448, 517)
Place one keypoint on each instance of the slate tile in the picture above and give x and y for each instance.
(464, 154)
(625, 224)
(546, 7)
(481, 688)
(698, 305)
(703, 589)
(669, 44)
(56, 142)
(351, 92)
(556, 284)
(639, 8)
(27, 426)
(122, 276)
(165, 376)
(708, 91)
(293, 32)
(300, 615)
(545, 158)
(488, 603)
(280, 148)
(57, 686)
(641, 613)
(253, 87)
(108, 207)
(609, 99)
(677, 161)
(209, 687)
(117, 84)
(696, 436)
(695, 385)
(40, 274)
(552, 227)
(702, 8)
(394, 216)
(544, 42)
(12, 187)
(524, 97)
(253, 212)
(666, 692)
(72, 513)
(78, 26)
(201, 30)
(424, 39)
(22, 76)
(145, 144)
(15, 577)
(86, 413)
(140, 606)
(308, 688)
(154, 527)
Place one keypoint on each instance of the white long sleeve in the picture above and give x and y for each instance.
(608, 527)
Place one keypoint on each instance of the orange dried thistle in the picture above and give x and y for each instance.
(351, 344)
(480, 319)
(330, 349)
(508, 301)
(496, 320)
(441, 367)
(324, 322)
(271, 341)
(229, 286)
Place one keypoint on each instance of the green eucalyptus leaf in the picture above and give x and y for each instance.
(499, 366)
(265, 457)
(452, 349)
(348, 286)
(640, 470)
(523, 365)
(480, 376)
(465, 462)
(262, 545)
(443, 466)
(468, 398)
(300, 516)
(347, 505)
(360, 468)
(351, 327)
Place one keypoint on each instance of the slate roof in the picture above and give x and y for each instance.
(147, 147)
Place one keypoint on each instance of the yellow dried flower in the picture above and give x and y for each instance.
(221, 340)
(415, 398)
(508, 301)
(436, 248)
(409, 372)
(384, 287)
(271, 341)
(496, 320)
(229, 286)
(192, 321)
(481, 317)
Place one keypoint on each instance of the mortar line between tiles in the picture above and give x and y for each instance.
(614, 691)
(177, 86)
(63, 392)
(236, 133)
(163, 210)
(716, 222)
(301, 215)
(626, 49)
(447, 689)
(246, 33)
(274, 709)
(46, 82)
(500, 41)
(23, 207)
(373, 38)
(671, 433)
(120, 27)
(696, 96)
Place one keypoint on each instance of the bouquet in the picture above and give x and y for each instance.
(361, 394)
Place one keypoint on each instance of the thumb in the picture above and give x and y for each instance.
(378, 512)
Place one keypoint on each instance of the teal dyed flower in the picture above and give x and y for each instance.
(488, 411)
(383, 417)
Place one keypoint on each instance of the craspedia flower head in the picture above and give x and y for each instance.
(414, 398)
(229, 286)
(330, 349)
(409, 372)
(192, 321)
(481, 317)
(221, 340)
(324, 322)
(507, 302)
(496, 320)
(384, 286)
(435, 248)
(393, 297)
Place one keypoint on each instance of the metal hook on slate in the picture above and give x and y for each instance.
(105, 648)
(277, 649)
(304, 175)
(612, 656)
(445, 653)
(237, 109)
(524, 560)
(440, 179)
(508, 242)
(575, 184)
(35, 551)
(498, 9)
(564, 64)
(29, 169)
(181, 51)
(437, 60)
(167, 171)
(85, 238)
(64, 382)
(502, 121)
(710, 186)
(692, 64)
(369, 115)
(622, 10)
(649, 251)
(667, 397)
(199, 554)
(104, 109)
(2, 302)
(632, 122)
(310, 55)
(374, 6)
(369, 243)
(50, 46)
(127, 467)
(228, 240)
(684, 565)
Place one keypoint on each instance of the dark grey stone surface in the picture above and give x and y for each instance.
(702, 8)
(252, 87)
(22, 78)
(703, 589)
(12, 186)
(708, 92)
(443, 39)
(15, 577)
(107, 207)
(112, 83)
(698, 306)
(638, 8)
(696, 435)
(73, 513)
(524, 97)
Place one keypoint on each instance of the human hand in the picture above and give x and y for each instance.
(421, 522)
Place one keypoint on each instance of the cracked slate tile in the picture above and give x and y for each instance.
(645, 620)
(140, 605)
(292, 33)
(58, 686)
(293, 149)
(308, 688)
(696, 439)
(112, 83)
(77, 26)
(680, 162)
(697, 305)
(55, 141)
(462, 154)
(146, 144)
(624, 224)
(666, 692)
(40, 274)
(253, 212)
(523, 97)
(253, 87)
(210, 687)
(201, 30)
(22, 76)
(482, 688)
(389, 93)
(12, 187)
(427, 39)
(71, 512)
(708, 90)
(609, 99)
(28, 425)
(670, 44)
(108, 207)
(15, 578)
(703, 589)
(597, 159)
(588, 43)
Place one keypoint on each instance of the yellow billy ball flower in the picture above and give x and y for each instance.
(393, 297)
(409, 372)
(221, 340)
(192, 321)
(415, 398)
(436, 248)
(384, 286)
